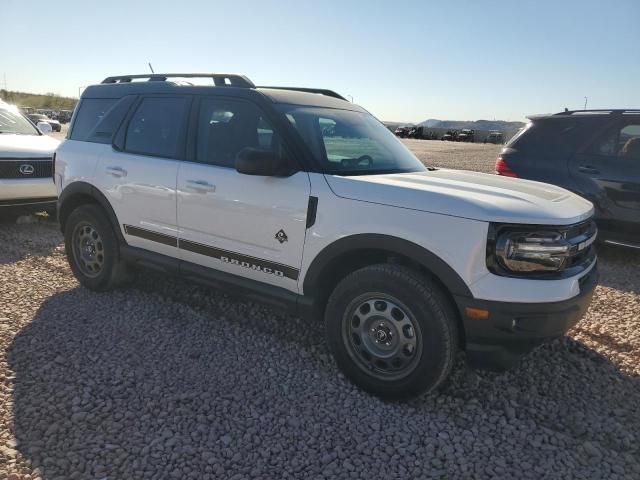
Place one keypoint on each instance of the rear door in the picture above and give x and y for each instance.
(138, 176)
(608, 173)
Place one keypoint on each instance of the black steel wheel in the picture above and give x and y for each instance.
(93, 250)
(392, 331)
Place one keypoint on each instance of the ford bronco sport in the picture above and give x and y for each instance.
(300, 198)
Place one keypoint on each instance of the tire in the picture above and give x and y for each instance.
(88, 230)
(392, 331)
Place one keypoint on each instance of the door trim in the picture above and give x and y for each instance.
(246, 261)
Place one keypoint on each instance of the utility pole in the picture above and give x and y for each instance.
(585, 103)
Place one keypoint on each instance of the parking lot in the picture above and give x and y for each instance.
(172, 380)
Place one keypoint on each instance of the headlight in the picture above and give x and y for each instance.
(523, 251)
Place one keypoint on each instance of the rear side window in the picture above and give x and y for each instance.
(106, 127)
(91, 111)
(553, 137)
(157, 127)
(620, 141)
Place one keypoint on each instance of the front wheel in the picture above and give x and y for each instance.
(392, 331)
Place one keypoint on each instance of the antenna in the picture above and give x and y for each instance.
(151, 68)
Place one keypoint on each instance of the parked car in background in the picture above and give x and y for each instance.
(39, 117)
(417, 132)
(494, 137)
(450, 136)
(466, 135)
(402, 132)
(595, 153)
(26, 169)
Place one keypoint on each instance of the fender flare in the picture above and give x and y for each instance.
(438, 267)
(86, 189)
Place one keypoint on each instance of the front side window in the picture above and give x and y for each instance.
(157, 126)
(621, 142)
(345, 142)
(227, 126)
(13, 122)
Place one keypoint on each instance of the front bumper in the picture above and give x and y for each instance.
(25, 206)
(513, 329)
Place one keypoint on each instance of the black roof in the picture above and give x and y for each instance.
(587, 113)
(223, 84)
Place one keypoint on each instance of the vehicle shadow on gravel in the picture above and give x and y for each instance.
(43, 237)
(171, 380)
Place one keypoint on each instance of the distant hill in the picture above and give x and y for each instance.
(475, 124)
(48, 100)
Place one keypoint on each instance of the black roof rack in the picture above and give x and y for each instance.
(611, 111)
(219, 79)
(320, 91)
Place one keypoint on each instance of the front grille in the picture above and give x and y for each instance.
(26, 168)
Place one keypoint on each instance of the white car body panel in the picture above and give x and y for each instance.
(142, 191)
(241, 215)
(478, 196)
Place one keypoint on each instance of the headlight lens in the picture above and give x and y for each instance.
(540, 252)
(532, 252)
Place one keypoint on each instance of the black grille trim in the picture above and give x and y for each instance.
(10, 168)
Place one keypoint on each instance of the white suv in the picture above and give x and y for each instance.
(302, 199)
(26, 171)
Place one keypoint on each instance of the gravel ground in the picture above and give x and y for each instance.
(465, 156)
(172, 380)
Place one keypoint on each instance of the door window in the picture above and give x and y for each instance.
(226, 126)
(620, 142)
(157, 127)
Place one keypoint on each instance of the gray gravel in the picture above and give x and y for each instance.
(172, 380)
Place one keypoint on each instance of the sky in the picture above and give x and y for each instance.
(403, 61)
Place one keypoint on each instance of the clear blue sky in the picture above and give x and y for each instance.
(404, 61)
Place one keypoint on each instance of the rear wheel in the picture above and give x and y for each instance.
(92, 249)
(392, 331)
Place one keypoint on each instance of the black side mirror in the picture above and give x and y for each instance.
(256, 161)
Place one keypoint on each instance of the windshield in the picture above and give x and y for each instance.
(13, 122)
(345, 142)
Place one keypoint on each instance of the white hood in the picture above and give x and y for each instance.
(478, 196)
(25, 146)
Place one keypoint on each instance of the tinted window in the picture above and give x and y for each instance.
(555, 136)
(109, 123)
(226, 126)
(91, 111)
(622, 142)
(157, 126)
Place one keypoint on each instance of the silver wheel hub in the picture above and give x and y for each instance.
(380, 334)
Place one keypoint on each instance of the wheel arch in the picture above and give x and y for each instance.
(351, 253)
(82, 193)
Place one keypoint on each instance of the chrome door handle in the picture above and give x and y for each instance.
(116, 171)
(200, 186)
(588, 169)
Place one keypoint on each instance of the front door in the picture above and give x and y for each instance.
(609, 170)
(245, 225)
(140, 180)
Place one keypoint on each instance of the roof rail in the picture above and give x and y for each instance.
(610, 111)
(219, 79)
(320, 91)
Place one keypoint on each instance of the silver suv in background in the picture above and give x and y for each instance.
(26, 165)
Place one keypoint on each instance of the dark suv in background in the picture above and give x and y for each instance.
(594, 153)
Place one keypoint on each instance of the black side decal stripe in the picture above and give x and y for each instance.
(151, 235)
(226, 256)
